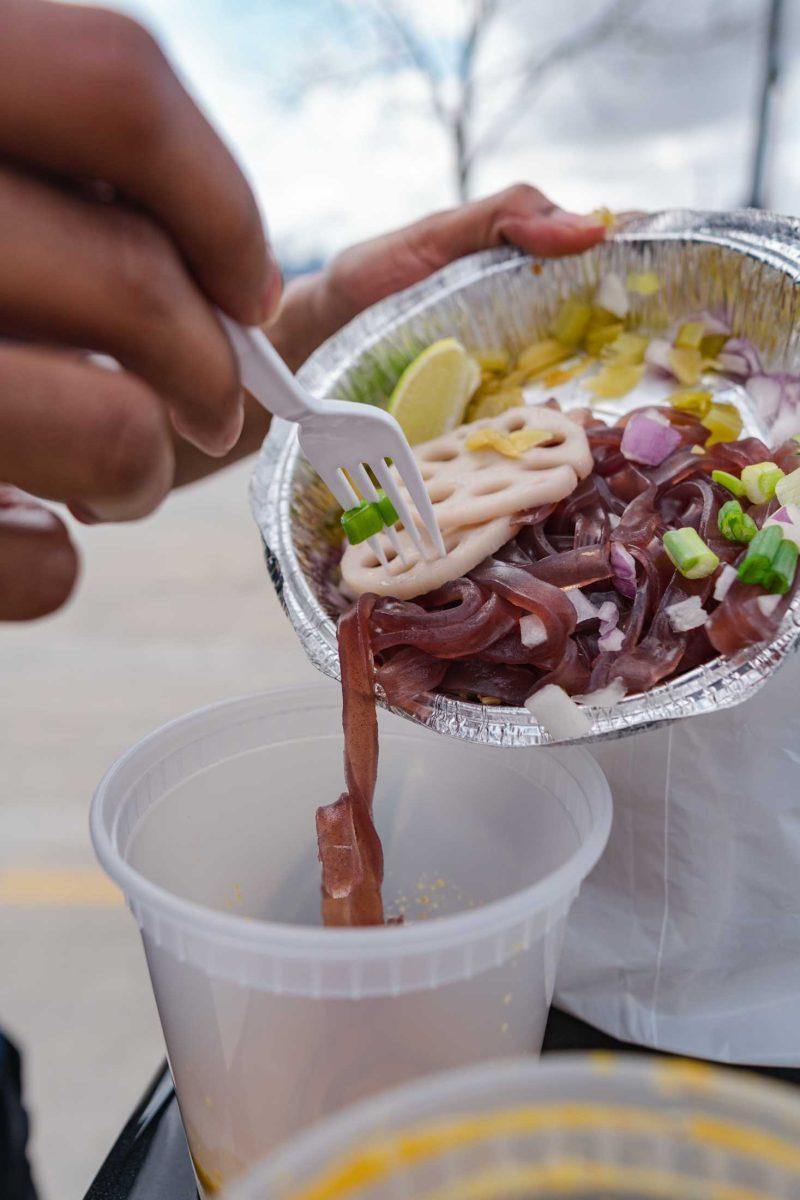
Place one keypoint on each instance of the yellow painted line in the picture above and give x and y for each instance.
(58, 887)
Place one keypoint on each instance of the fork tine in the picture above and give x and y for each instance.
(408, 469)
(338, 483)
(404, 512)
(369, 490)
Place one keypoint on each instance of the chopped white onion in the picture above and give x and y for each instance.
(605, 697)
(611, 640)
(612, 296)
(788, 488)
(584, 608)
(687, 614)
(723, 581)
(765, 391)
(768, 604)
(532, 632)
(557, 713)
(658, 354)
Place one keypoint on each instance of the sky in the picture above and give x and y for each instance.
(334, 128)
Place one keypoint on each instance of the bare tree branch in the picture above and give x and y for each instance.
(535, 71)
(417, 53)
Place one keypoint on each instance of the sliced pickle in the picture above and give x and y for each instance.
(571, 323)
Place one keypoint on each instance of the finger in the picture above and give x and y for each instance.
(38, 563)
(75, 271)
(551, 236)
(95, 439)
(114, 110)
(521, 215)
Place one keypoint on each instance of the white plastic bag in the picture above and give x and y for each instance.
(686, 937)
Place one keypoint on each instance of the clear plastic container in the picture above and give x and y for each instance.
(272, 1021)
(589, 1127)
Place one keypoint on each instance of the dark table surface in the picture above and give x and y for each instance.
(150, 1158)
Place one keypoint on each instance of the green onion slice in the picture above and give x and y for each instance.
(757, 563)
(760, 481)
(781, 574)
(689, 554)
(735, 524)
(361, 522)
(731, 482)
(386, 509)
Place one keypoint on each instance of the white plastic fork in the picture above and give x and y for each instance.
(338, 436)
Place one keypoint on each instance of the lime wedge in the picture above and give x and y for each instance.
(433, 392)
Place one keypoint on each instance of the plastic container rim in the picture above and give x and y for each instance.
(346, 1131)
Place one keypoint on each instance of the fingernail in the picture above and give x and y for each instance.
(271, 296)
(216, 442)
(577, 220)
(81, 512)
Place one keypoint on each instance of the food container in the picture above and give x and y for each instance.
(747, 264)
(590, 1127)
(272, 1021)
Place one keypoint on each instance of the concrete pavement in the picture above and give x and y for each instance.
(172, 613)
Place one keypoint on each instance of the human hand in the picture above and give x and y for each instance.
(316, 306)
(519, 216)
(123, 219)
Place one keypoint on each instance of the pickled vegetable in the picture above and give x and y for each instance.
(686, 364)
(511, 445)
(724, 421)
(615, 381)
(601, 335)
(570, 325)
(695, 402)
(494, 361)
(690, 335)
(713, 344)
(493, 404)
(645, 284)
(626, 350)
(541, 355)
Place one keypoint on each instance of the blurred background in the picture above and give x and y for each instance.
(350, 116)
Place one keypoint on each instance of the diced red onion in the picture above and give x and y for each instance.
(649, 439)
(608, 614)
(712, 323)
(740, 357)
(612, 640)
(624, 568)
(687, 614)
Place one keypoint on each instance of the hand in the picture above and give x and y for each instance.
(519, 216)
(123, 219)
(317, 306)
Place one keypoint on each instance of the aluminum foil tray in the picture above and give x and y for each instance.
(746, 263)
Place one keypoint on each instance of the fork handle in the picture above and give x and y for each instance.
(265, 374)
